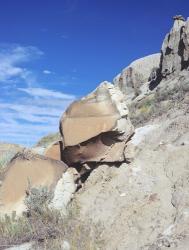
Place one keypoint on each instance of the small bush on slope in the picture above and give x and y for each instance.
(158, 103)
(37, 199)
(47, 228)
(38, 224)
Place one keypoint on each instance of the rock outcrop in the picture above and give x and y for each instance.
(175, 48)
(133, 77)
(174, 53)
(145, 74)
(96, 128)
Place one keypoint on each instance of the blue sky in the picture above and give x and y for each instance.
(53, 52)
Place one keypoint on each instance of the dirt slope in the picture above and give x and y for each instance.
(144, 205)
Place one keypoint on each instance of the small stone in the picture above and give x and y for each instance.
(65, 245)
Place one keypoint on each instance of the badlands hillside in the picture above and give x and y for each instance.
(118, 176)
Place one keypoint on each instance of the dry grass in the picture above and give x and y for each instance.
(37, 224)
(82, 234)
(47, 228)
(158, 103)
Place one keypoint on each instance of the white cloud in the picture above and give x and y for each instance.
(26, 113)
(11, 59)
(46, 93)
(47, 72)
(27, 120)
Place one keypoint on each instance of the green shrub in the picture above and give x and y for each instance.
(38, 199)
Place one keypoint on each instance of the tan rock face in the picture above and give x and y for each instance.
(97, 127)
(25, 169)
(89, 117)
(54, 151)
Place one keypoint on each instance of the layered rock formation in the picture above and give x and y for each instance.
(96, 128)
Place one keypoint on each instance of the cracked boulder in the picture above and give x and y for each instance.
(96, 128)
(27, 170)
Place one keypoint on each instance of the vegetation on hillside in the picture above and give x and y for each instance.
(48, 139)
(158, 103)
(47, 228)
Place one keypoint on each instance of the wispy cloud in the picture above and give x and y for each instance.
(32, 118)
(47, 72)
(27, 112)
(46, 93)
(12, 58)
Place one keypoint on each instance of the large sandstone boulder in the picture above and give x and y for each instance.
(97, 127)
(27, 170)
